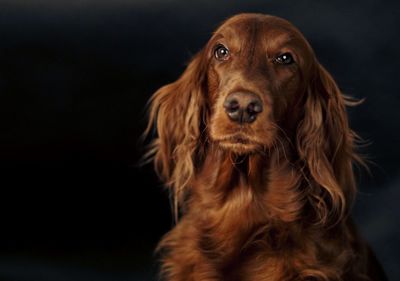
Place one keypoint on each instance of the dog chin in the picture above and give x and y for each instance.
(238, 143)
(240, 148)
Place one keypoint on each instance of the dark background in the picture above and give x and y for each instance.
(74, 80)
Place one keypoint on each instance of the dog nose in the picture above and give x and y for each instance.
(243, 107)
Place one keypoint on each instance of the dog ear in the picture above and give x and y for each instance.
(177, 113)
(326, 145)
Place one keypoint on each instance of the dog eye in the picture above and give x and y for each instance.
(285, 58)
(221, 52)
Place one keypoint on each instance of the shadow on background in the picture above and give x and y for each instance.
(74, 80)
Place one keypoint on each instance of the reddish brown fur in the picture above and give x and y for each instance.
(274, 207)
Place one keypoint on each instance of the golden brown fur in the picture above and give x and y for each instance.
(268, 200)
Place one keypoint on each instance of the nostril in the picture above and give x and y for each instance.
(254, 107)
(231, 105)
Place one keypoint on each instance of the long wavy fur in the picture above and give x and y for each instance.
(177, 111)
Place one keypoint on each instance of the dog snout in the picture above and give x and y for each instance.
(243, 107)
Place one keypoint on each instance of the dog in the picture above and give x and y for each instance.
(253, 141)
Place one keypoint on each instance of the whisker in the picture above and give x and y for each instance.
(276, 148)
(283, 148)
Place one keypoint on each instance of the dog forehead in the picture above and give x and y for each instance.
(270, 29)
(266, 23)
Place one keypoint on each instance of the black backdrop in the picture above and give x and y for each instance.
(74, 80)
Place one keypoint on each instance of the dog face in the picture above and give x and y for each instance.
(255, 77)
